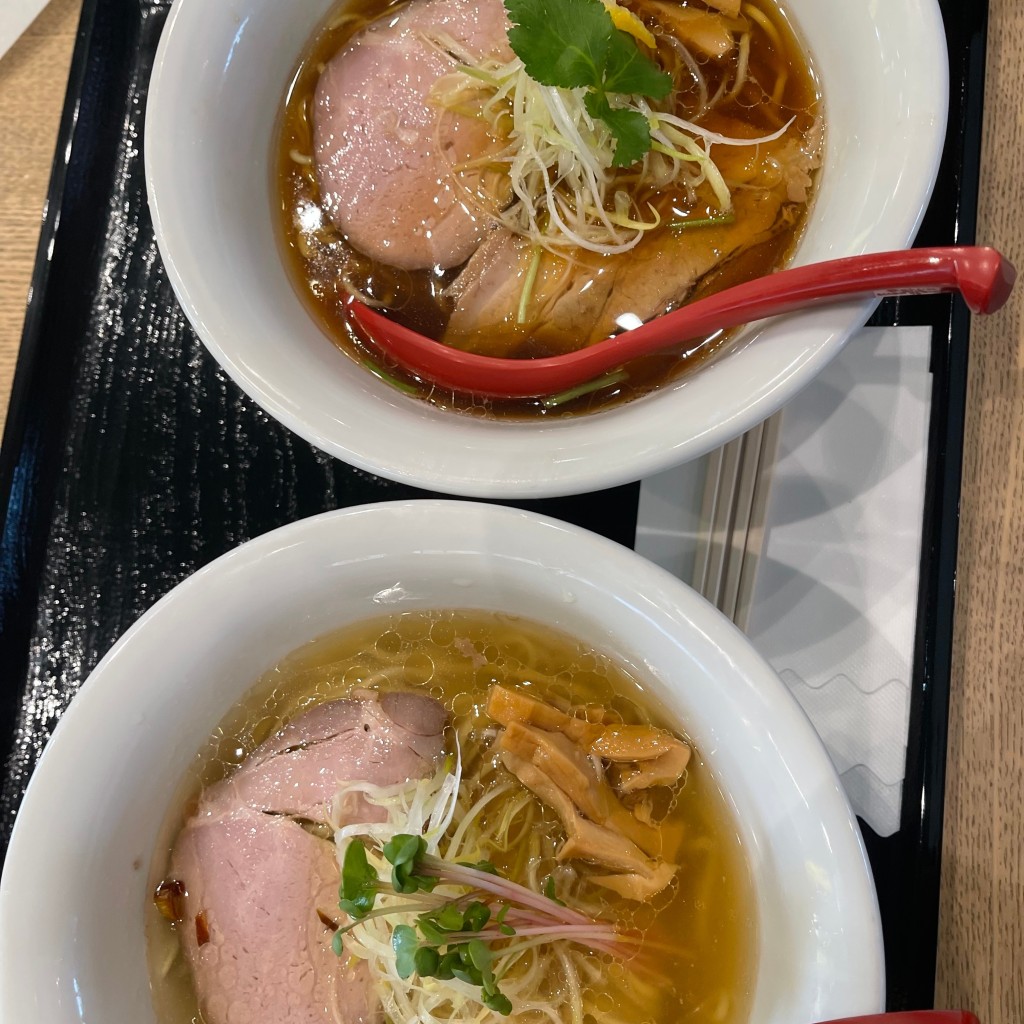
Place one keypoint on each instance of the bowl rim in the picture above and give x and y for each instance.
(650, 589)
(542, 458)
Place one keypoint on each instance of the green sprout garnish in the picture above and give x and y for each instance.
(454, 938)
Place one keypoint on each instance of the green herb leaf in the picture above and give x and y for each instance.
(444, 967)
(337, 944)
(469, 975)
(426, 961)
(629, 128)
(466, 968)
(450, 918)
(498, 1002)
(574, 43)
(430, 931)
(405, 945)
(549, 891)
(561, 42)
(358, 882)
(479, 954)
(476, 917)
(402, 852)
(627, 70)
(404, 849)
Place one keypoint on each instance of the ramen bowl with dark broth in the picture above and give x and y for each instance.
(431, 677)
(271, 204)
(490, 212)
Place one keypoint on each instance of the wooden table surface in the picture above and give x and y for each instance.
(981, 948)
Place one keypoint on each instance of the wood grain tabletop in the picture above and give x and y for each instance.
(981, 946)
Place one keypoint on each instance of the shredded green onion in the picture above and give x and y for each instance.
(702, 222)
(566, 190)
(528, 283)
(553, 401)
(401, 385)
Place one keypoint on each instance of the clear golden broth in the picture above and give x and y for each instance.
(700, 935)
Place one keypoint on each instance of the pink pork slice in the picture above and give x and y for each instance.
(261, 890)
(384, 152)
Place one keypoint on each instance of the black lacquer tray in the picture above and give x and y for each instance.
(129, 460)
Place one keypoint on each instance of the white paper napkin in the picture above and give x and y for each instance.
(835, 600)
(15, 17)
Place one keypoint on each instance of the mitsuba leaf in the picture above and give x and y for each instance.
(627, 70)
(560, 42)
(631, 132)
(632, 135)
(574, 44)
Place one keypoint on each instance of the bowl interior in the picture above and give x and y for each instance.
(219, 80)
(84, 840)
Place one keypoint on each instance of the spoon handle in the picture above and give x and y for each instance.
(981, 275)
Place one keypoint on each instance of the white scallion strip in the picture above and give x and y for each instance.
(560, 160)
(741, 64)
(714, 137)
(423, 807)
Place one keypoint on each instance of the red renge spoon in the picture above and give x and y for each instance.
(982, 275)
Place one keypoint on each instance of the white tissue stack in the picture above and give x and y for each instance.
(835, 600)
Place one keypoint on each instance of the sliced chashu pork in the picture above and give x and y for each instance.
(297, 770)
(584, 298)
(384, 151)
(261, 892)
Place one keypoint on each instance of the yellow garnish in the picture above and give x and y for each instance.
(627, 21)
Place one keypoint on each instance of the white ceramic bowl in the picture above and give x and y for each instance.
(217, 86)
(75, 882)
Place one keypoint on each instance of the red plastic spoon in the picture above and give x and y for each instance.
(981, 275)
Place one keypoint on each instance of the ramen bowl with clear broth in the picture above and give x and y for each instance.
(212, 149)
(106, 801)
